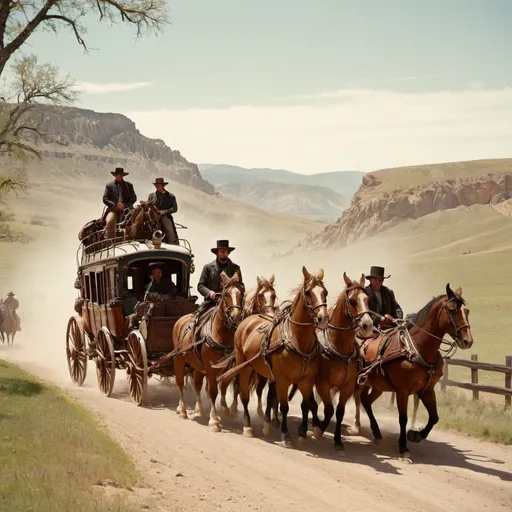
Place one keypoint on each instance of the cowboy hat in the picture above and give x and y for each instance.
(156, 264)
(10, 294)
(160, 181)
(222, 244)
(119, 170)
(377, 272)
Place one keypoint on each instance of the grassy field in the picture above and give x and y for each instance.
(406, 177)
(53, 454)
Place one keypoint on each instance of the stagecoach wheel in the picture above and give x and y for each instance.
(105, 362)
(76, 350)
(137, 370)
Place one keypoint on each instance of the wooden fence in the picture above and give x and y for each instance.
(474, 386)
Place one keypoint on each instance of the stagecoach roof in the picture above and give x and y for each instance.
(132, 249)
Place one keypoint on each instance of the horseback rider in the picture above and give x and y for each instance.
(210, 280)
(14, 304)
(382, 300)
(119, 195)
(167, 205)
(158, 285)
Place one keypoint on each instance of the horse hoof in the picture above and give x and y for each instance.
(248, 432)
(215, 427)
(275, 423)
(303, 441)
(354, 430)
(288, 444)
(183, 415)
(340, 451)
(377, 442)
(266, 429)
(414, 436)
(406, 455)
(198, 413)
(317, 433)
(260, 412)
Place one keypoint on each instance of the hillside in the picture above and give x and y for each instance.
(388, 197)
(319, 196)
(108, 140)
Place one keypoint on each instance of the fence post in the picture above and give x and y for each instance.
(508, 380)
(474, 376)
(444, 380)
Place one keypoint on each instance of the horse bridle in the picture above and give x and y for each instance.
(310, 309)
(262, 310)
(450, 312)
(355, 318)
(227, 309)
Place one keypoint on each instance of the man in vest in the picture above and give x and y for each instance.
(382, 299)
(167, 205)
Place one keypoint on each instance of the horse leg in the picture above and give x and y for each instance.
(402, 399)
(343, 398)
(213, 391)
(179, 375)
(262, 381)
(356, 426)
(198, 384)
(306, 389)
(224, 384)
(236, 393)
(367, 400)
(428, 399)
(323, 388)
(272, 398)
(245, 395)
(282, 396)
(415, 410)
(271, 406)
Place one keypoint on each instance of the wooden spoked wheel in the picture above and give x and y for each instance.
(76, 350)
(105, 362)
(137, 367)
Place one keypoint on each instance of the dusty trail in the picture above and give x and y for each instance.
(188, 467)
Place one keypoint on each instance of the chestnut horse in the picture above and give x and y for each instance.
(284, 349)
(407, 360)
(201, 348)
(339, 361)
(260, 302)
(9, 327)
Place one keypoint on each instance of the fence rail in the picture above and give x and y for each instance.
(474, 386)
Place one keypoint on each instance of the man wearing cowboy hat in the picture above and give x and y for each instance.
(382, 299)
(167, 205)
(14, 304)
(162, 286)
(119, 195)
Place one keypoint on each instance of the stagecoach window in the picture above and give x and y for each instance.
(113, 283)
(92, 287)
(130, 283)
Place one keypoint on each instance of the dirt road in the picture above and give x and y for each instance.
(188, 467)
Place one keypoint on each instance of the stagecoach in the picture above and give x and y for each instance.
(113, 326)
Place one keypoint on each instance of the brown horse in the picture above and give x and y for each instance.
(339, 362)
(284, 349)
(9, 327)
(260, 302)
(142, 222)
(407, 361)
(201, 348)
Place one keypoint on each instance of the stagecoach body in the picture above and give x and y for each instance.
(114, 326)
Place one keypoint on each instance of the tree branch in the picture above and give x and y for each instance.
(69, 21)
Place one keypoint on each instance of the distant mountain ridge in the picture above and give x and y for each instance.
(321, 196)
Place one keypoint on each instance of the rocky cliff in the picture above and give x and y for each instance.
(112, 139)
(371, 212)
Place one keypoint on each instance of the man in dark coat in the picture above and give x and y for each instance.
(167, 205)
(119, 195)
(14, 304)
(159, 284)
(382, 299)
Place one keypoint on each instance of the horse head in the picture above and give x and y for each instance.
(314, 295)
(231, 299)
(454, 318)
(357, 305)
(264, 300)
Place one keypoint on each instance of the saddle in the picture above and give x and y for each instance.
(373, 349)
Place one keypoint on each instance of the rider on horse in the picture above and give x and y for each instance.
(210, 280)
(119, 195)
(167, 205)
(13, 304)
(382, 300)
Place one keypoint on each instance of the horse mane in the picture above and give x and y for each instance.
(421, 315)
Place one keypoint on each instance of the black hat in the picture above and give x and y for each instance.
(119, 170)
(377, 272)
(160, 181)
(222, 244)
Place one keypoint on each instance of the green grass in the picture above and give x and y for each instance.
(483, 419)
(53, 452)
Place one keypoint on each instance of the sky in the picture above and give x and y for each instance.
(330, 85)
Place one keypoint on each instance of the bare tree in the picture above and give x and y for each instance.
(19, 19)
